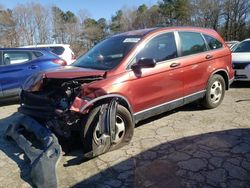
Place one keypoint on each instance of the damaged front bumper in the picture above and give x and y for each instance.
(41, 147)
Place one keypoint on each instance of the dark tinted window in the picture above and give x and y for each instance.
(191, 43)
(57, 50)
(1, 59)
(15, 57)
(37, 54)
(212, 42)
(160, 48)
(243, 47)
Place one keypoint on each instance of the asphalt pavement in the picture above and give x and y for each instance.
(187, 147)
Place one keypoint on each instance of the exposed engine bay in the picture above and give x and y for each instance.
(51, 104)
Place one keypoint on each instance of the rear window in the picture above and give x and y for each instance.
(191, 43)
(212, 42)
(58, 50)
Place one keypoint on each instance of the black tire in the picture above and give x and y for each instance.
(215, 92)
(89, 129)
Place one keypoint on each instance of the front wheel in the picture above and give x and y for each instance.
(91, 135)
(215, 92)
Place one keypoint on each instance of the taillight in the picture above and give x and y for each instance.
(73, 57)
(60, 62)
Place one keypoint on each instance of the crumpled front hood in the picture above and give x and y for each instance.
(70, 72)
(34, 82)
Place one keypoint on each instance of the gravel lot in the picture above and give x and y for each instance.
(187, 147)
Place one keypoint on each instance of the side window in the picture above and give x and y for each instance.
(15, 57)
(212, 42)
(37, 54)
(191, 43)
(160, 48)
(1, 59)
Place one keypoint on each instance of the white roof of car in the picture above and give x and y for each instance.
(45, 45)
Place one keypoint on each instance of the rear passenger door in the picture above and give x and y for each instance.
(15, 68)
(195, 60)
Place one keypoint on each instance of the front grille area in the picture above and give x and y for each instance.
(240, 65)
(240, 77)
(36, 105)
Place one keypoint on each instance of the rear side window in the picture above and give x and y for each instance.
(191, 43)
(58, 50)
(15, 57)
(37, 54)
(1, 59)
(160, 48)
(212, 42)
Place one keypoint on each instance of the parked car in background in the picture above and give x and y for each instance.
(232, 43)
(232, 48)
(127, 78)
(16, 64)
(241, 60)
(62, 50)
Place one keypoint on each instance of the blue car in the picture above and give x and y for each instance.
(16, 64)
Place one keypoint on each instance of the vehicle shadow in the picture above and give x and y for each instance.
(194, 106)
(14, 153)
(7, 102)
(219, 159)
(216, 159)
(71, 147)
(240, 84)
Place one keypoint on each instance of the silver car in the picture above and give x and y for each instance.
(241, 60)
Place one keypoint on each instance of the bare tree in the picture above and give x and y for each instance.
(83, 15)
(8, 35)
(41, 20)
(25, 27)
(235, 14)
(206, 13)
(33, 23)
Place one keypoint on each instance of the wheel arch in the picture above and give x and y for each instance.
(107, 98)
(224, 74)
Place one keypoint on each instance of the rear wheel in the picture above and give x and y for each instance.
(91, 135)
(215, 92)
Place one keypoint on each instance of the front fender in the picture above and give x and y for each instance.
(80, 105)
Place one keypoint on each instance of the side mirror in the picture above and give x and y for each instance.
(144, 63)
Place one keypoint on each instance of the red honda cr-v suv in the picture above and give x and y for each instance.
(126, 78)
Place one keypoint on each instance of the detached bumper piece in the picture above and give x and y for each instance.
(41, 147)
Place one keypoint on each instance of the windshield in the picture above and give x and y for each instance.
(107, 54)
(242, 47)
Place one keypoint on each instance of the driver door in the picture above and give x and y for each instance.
(154, 90)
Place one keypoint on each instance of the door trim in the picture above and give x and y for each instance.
(170, 105)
